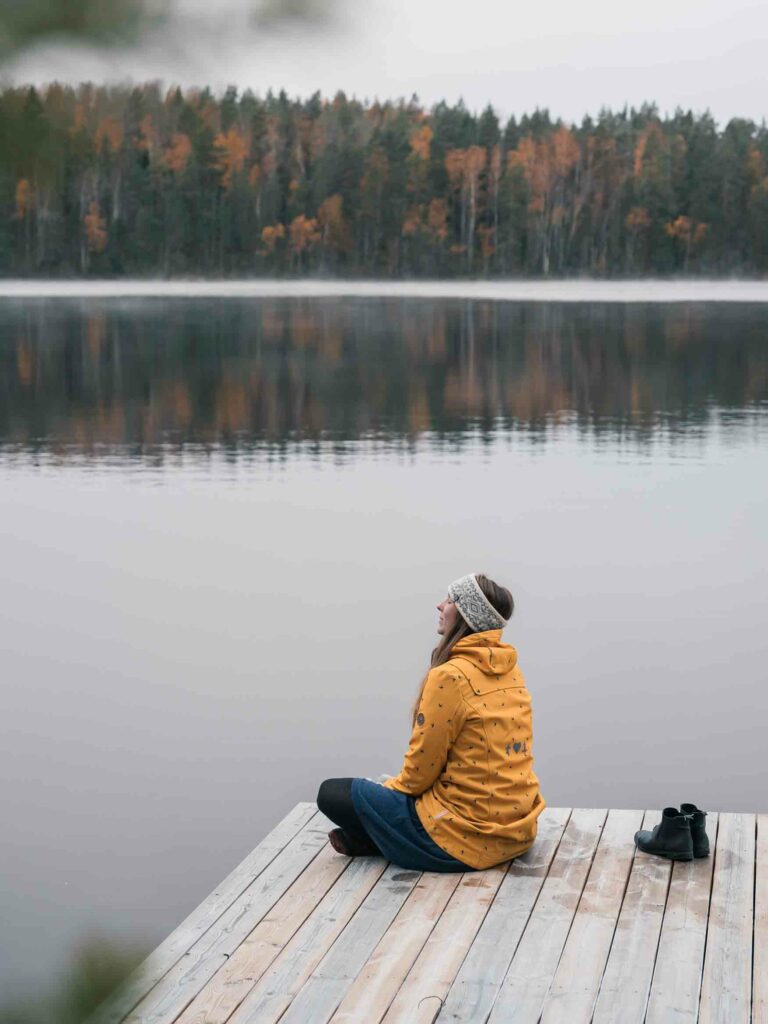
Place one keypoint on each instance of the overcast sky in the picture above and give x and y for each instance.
(572, 58)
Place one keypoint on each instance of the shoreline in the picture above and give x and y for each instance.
(650, 290)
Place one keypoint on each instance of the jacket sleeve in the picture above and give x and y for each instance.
(439, 719)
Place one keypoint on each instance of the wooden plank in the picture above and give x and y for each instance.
(627, 980)
(530, 974)
(126, 996)
(472, 992)
(760, 970)
(276, 988)
(422, 993)
(726, 984)
(573, 993)
(676, 982)
(299, 933)
(377, 983)
(232, 982)
(181, 984)
(322, 992)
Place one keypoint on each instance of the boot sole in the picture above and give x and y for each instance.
(667, 856)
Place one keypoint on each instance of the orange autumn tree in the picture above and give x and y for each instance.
(418, 162)
(232, 151)
(412, 221)
(420, 142)
(637, 223)
(95, 228)
(547, 166)
(188, 182)
(464, 167)
(25, 203)
(437, 220)
(689, 232)
(335, 233)
(94, 236)
(270, 236)
(255, 188)
(111, 130)
(303, 233)
(176, 156)
(657, 156)
(24, 199)
(428, 222)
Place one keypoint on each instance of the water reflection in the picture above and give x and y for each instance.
(140, 378)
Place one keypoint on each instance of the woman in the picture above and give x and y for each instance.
(467, 797)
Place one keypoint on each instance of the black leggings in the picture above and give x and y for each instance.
(334, 799)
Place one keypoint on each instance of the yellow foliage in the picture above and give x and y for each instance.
(110, 129)
(177, 155)
(232, 152)
(564, 150)
(544, 164)
(487, 246)
(436, 219)
(303, 233)
(464, 165)
(412, 221)
(95, 228)
(687, 230)
(637, 219)
(271, 235)
(651, 132)
(420, 142)
(335, 229)
(755, 163)
(24, 198)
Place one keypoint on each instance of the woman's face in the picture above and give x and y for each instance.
(448, 615)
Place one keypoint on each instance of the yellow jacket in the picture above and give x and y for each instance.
(469, 763)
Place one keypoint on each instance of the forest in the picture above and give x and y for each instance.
(112, 181)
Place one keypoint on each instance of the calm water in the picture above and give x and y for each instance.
(226, 524)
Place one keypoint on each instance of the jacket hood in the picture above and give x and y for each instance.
(487, 652)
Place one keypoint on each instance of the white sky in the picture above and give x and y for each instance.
(572, 58)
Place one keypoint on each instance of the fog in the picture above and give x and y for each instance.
(572, 59)
(699, 290)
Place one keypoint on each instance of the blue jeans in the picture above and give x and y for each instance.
(390, 820)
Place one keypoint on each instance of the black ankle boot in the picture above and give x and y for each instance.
(698, 831)
(671, 838)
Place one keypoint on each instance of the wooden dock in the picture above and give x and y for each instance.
(581, 928)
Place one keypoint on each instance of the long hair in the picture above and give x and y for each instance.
(502, 601)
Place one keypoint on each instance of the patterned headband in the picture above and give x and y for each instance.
(474, 605)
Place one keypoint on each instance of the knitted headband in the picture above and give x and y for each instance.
(474, 605)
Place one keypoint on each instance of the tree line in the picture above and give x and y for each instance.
(120, 180)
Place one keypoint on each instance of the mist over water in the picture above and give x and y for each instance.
(227, 523)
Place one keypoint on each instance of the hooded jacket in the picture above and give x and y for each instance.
(469, 763)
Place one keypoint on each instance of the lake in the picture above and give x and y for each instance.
(227, 523)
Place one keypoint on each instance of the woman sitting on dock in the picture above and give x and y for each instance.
(467, 797)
